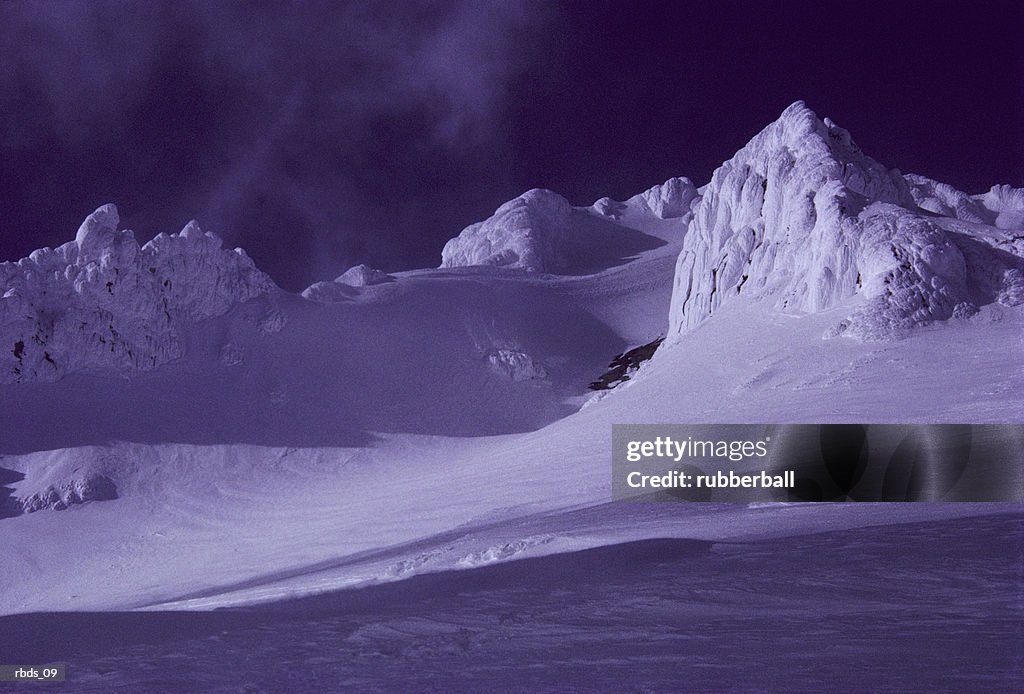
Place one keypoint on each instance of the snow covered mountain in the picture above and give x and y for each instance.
(802, 217)
(103, 304)
(221, 441)
(673, 198)
(799, 217)
(540, 232)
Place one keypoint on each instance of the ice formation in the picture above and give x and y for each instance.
(606, 207)
(801, 217)
(670, 199)
(945, 200)
(102, 303)
(1001, 207)
(1007, 204)
(531, 232)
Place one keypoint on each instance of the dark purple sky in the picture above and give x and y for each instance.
(319, 135)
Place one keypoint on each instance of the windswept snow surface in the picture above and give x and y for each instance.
(439, 423)
(901, 607)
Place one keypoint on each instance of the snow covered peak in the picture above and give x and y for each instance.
(541, 201)
(798, 120)
(670, 199)
(529, 232)
(540, 232)
(97, 232)
(101, 303)
(810, 151)
(801, 217)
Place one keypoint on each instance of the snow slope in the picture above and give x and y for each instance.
(200, 526)
(441, 421)
(662, 614)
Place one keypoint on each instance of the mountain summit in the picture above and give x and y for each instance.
(102, 303)
(802, 218)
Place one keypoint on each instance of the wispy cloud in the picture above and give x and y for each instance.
(255, 116)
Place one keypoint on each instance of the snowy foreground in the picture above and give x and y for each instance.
(403, 478)
(925, 606)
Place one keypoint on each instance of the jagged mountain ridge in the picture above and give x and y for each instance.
(103, 303)
(799, 218)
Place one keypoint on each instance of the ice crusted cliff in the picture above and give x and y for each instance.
(802, 218)
(102, 303)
